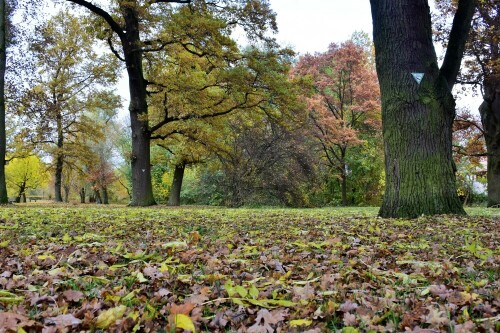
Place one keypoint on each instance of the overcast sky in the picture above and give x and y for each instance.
(311, 25)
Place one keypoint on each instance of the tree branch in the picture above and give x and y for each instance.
(102, 13)
(456, 45)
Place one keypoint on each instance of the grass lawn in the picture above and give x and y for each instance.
(89, 268)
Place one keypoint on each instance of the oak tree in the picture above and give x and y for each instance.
(137, 28)
(418, 107)
(482, 70)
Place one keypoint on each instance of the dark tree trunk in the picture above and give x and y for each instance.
(105, 199)
(417, 118)
(22, 189)
(174, 198)
(66, 193)
(82, 195)
(97, 196)
(3, 143)
(59, 160)
(490, 118)
(142, 189)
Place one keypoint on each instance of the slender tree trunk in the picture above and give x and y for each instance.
(343, 177)
(417, 117)
(343, 184)
(3, 142)
(174, 198)
(97, 195)
(22, 189)
(142, 189)
(490, 117)
(82, 195)
(59, 160)
(66, 193)
(105, 199)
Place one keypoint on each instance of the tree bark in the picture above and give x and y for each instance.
(82, 195)
(3, 141)
(66, 193)
(174, 198)
(490, 118)
(417, 117)
(59, 161)
(22, 189)
(142, 188)
(105, 199)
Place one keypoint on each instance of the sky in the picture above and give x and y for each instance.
(309, 26)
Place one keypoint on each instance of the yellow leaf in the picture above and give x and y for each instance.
(5, 244)
(184, 322)
(300, 322)
(109, 317)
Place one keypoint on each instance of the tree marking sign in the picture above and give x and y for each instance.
(418, 77)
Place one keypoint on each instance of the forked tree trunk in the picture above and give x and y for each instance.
(417, 117)
(174, 198)
(3, 142)
(490, 118)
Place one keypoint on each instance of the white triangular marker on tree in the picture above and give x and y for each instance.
(418, 77)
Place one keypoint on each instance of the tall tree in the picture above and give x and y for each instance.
(70, 83)
(417, 106)
(344, 104)
(482, 69)
(3, 62)
(135, 27)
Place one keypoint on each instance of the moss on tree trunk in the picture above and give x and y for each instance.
(417, 117)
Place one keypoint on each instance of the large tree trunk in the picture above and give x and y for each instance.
(59, 160)
(490, 117)
(142, 189)
(3, 142)
(174, 198)
(417, 118)
(22, 189)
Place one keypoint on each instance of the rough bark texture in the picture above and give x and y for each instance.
(417, 118)
(59, 161)
(174, 198)
(3, 23)
(142, 189)
(490, 117)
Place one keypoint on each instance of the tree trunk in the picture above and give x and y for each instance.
(174, 198)
(142, 188)
(490, 118)
(97, 195)
(66, 193)
(82, 195)
(417, 117)
(343, 183)
(22, 189)
(105, 199)
(59, 160)
(3, 142)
